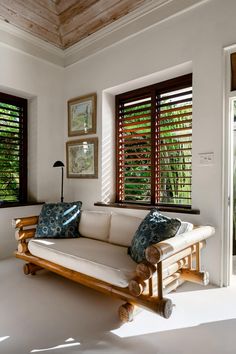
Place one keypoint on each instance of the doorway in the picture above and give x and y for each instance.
(234, 185)
(229, 170)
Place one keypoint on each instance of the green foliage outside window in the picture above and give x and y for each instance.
(9, 153)
(174, 151)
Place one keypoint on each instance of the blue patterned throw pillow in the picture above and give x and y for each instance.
(154, 228)
(59, 220)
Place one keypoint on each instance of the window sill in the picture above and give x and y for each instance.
(148, 207)
(15, 205)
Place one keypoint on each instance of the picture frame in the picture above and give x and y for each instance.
(82, 112)
(82, 158)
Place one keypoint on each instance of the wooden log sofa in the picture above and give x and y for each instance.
(99, 259)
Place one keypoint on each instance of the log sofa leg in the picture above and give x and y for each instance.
(30, 268)
(195, 276)
(127, 312)
(164, 307)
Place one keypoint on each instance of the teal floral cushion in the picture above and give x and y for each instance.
(154, 228)
(59, 220)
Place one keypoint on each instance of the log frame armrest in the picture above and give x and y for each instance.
(19, 223)
(165, 249)
(169, 263)
(24, 231)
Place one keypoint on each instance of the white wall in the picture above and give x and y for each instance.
(42, 84)
(197, 37)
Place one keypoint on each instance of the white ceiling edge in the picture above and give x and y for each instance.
(130, 25)
(135, 22)
(29, 44)
(100, 34)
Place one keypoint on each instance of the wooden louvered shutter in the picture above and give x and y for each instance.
(13, 149)
(154, 142)
(134, 149)
(173, 178)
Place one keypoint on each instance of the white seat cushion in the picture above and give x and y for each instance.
(123, 228)
(95, 224)
(101, 260)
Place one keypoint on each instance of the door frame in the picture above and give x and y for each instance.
(227, 168)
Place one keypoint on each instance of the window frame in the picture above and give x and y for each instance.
(23, 148)
(177, 83)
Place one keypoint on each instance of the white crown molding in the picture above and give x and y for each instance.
(27, 43)
(142, 18)
(100, 34)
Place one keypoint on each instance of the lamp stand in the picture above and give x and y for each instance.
(62, 178)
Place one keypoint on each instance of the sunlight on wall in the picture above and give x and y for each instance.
(108, 150)
(192, 309)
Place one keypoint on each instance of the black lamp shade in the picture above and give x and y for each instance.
(58, 164)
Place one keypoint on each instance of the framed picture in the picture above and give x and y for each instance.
(82, 158)
(82, 115)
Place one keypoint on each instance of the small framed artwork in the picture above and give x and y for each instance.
(82, 158)
(82, 115)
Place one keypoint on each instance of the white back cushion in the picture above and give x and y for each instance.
(123, 228)
(95, 224)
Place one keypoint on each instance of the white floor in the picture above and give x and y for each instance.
(47, 313)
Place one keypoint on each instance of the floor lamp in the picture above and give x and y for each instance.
(60, 164)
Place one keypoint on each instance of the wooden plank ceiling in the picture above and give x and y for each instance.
(65, 22)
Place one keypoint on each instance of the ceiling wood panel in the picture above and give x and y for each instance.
(22, 11)
(65, 22)
(40, 9)
(102, 19)
(19, 21)
(47, 4)
(75, 10)
(62, 5)
(88, 15)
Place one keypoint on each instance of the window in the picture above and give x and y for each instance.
(13, 149)
(154, 144)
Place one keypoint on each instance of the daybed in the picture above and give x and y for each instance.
(99, 259)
